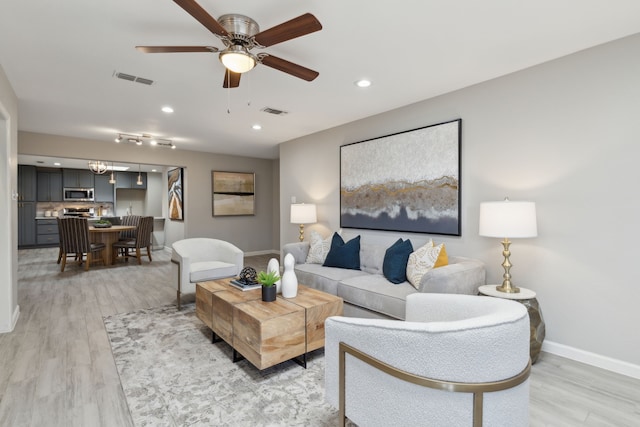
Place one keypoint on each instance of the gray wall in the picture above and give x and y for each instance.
(9, 310)
(249, 233)
(563, 134)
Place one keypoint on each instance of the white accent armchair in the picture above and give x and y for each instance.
(457, 360)
(200, 259)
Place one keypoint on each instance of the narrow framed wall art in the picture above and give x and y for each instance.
(176, 191)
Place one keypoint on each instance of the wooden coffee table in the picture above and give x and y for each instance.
(265, 333)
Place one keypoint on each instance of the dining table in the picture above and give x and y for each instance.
(108, 236)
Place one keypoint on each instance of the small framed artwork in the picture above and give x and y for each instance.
(176, 191)
(233, 193)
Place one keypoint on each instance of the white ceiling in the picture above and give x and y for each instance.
(60, 57)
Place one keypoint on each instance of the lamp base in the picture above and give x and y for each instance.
(506, 264)
(301, 232)
(508, 289)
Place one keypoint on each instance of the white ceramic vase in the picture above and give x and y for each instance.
(289, 279)
(274, 265)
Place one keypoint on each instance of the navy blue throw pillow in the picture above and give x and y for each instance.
(343, 255)
(394, 266)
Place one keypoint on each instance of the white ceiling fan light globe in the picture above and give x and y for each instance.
(237, 59)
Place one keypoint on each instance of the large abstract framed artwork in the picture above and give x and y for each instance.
(233, 193)
(175, 187)
(407, 181)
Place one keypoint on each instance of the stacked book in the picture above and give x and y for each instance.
(244, 285)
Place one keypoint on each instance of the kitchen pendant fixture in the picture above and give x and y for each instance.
(139, 181)
(112, 180)
(97, 167)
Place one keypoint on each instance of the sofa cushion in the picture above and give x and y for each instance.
(318, 248)
(424, 259)
(374, 292)
(394, 266)
(323, 278)
(371, 258)
(343, 255)
(210, 270)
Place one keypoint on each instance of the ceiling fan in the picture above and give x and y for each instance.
(240, 34)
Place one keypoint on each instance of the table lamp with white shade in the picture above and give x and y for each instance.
(508, 219)
(303, 213)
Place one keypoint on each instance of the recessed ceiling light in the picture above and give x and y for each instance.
(363, 83)
(167, 109)
(256, 127)
(56, 164)
(154, 170)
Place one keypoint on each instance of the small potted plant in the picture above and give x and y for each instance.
(268, 281)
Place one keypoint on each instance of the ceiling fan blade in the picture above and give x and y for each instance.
(172, 49)
(296, 27)
(231, 79)
(289, 67)
(201, 15)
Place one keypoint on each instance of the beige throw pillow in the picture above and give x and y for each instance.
(424, 259)
(319, 248)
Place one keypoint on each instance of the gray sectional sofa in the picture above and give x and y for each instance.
(367, 293)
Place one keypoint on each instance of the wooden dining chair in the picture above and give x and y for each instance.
(60, 237)
(142, 240)
(74, 234)
(130, 220)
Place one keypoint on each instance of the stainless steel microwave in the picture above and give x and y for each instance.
(78, 194)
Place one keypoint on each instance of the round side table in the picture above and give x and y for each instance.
(526, 297)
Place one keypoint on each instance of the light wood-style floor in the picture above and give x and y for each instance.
(56, 367)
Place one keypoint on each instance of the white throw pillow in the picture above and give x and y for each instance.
(319, 248)
(422, 260)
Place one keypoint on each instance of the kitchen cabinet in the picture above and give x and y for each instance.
(129, 179)
(103, 190)
(27, 223)
(78, 178)
(47, 232)
(49, 186)
(123, 180)
(27, 183)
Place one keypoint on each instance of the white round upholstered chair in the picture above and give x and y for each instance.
(457, 360)
(199, 259)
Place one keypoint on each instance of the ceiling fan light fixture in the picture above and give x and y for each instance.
(237, 59)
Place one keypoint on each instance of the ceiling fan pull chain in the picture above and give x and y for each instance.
(228, 92)
(249, 90)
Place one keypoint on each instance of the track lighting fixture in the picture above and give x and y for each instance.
(140, 139)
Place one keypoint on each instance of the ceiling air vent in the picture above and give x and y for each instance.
(274, 111)
(131, 78)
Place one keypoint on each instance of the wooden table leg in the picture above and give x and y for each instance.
(108, 239)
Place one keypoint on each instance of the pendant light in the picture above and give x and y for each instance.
(97, 167)
(112, 180)
(139, 181)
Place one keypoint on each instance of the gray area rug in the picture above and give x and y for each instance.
(172, 375)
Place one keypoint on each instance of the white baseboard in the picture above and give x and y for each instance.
(274, 252)
(14, 321)
(593, 359)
